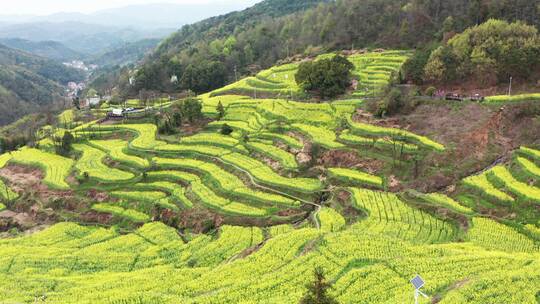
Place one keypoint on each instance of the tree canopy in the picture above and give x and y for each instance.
(328, 77)
(490, 52)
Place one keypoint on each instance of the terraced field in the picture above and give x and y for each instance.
(512, 185)
(91, 164)
(56, 168)
(153, 264)
(373, 71)
(246, 217)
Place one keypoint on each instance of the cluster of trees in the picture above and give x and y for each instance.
(62, 144)
(12, 143)
(187, 110)
(329, 77)
(489, 53)
(24, 131)
(241, 42)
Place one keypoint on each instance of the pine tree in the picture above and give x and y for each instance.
(317, 291)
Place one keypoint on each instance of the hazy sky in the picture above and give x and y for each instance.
(45, 7)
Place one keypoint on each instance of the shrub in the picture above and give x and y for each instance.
(226, 129)
(391, 104)
(430, 91)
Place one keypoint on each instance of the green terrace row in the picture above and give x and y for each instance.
(389, 215)
(394, 134)
(262, 173)
(373, 70)
(499, 182)
(91, 163)
(226, 181)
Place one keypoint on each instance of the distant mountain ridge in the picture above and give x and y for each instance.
(141, 16)
(48, 49)
(81, 37)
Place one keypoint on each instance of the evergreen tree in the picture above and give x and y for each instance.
(220, 110)
(317, 291)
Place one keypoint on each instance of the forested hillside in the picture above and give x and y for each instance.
(212, 50)
(28, 83)
(125, 54)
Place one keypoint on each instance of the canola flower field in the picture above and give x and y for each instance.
(369, 258)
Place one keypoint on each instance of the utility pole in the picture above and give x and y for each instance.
(510, 87)
(235, 74)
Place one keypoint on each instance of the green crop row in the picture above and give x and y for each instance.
(523, 190)
(91, 163)
(355, 177)
(319, 135)
(388, 215)
(493, 235)
(4, 159)
(513, 98)
(481, 183)
(213, 201)
(227, 182)
(6, 194)
(211, 139)
(132, 215)
(209, 198)
(176, 192)
(395, 134)
(286, 159)
(532, 153)
(264, 174)
(288, 140)
(529, 167)
(116, 149)
(330, 220)
(381, 143)
(147, 197)
(447, 202)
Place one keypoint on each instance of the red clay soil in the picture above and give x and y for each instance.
(96, 217)
(348, 159)
(98, 196)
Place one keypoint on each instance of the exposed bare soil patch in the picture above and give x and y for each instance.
(475, 135)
